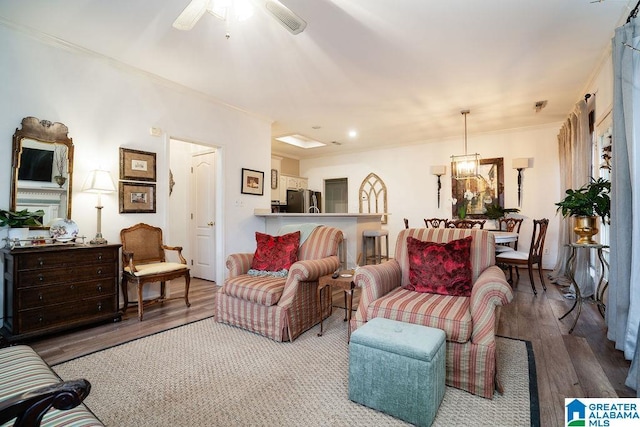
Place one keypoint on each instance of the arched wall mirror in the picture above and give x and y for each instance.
(42, 169)
(373, 196)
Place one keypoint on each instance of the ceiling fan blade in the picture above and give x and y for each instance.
(191, 14)
(286, 17)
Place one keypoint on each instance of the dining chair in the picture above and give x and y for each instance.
(435, 222)
(533, 256)
(511, 225)
(466, 223)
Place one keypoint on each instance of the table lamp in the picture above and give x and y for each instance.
(100, 182)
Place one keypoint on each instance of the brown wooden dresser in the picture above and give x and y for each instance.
(48, 289)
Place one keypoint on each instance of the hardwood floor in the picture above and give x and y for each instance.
(157, 317)
(581, 364)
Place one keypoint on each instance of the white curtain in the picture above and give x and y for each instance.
(623, 303)
(574, 143)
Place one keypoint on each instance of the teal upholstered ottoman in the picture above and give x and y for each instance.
(398, 368)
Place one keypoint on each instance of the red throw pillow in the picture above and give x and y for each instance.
(274, 253)
(440, 268)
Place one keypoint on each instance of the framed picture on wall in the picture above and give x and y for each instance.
(474, 194)
(136, 197)
(137, 165)
(252, 182)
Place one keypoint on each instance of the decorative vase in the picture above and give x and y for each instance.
(60, 180)
(491, 224)
(586, 227)
(462, 211)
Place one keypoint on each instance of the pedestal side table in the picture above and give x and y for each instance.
(600, 288)
(345, 282)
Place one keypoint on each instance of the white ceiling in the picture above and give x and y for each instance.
(397, 71)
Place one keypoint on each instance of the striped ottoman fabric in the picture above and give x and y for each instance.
(22, 370)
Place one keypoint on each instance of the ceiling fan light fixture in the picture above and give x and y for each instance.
(286, 17)
(241, 10)
(218, 10)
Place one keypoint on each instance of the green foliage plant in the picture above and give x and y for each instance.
(591, 199)
(22, 218)
(496, 211)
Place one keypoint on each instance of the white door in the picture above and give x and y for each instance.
(203, 215)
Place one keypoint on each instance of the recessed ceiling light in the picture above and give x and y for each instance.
(353, 134)
(300, 141)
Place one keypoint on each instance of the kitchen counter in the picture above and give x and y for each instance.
(258, 212)
(351, 224)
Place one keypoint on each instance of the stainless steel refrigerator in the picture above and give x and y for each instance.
(304, 201)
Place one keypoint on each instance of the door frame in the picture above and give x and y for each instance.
(220, 255)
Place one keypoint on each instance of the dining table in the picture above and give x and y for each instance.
(504, 236)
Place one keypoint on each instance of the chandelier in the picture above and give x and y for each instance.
(467, 165)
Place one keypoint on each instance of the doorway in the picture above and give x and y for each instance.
(336, 195)
(193, 205)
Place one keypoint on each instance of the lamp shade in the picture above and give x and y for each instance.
(439, 170)
(99, 181)
(521, 163)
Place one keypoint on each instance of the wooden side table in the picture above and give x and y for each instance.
(602, 284)
(344, 282)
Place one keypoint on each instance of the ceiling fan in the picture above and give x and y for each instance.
(242, 9)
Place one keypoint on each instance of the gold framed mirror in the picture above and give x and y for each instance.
(42, 169)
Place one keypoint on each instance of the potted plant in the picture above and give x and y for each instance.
(494, 212)
(586, 204)
(20, 221)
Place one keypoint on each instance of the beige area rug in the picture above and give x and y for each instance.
(211, 374)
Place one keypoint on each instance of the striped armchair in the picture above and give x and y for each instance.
(280, 308)
(469, 322)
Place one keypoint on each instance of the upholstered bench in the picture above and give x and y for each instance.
(29, 388)
(398, 368)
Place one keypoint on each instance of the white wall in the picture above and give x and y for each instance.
(412, 190)
(107, 105)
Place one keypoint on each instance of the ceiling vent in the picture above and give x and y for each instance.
(539, 105)
(286, 17)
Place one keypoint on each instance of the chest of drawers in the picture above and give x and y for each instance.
(52, 288)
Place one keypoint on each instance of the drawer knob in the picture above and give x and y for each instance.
(99, 257)
(40, 297)
(99, 306)
(72, 287)
(99, 271)
(99, 288)
(40, 262)
(40, 319)
(40, 277)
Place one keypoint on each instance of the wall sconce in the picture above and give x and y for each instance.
(100, 182)
(439, 171)
(520, 164)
